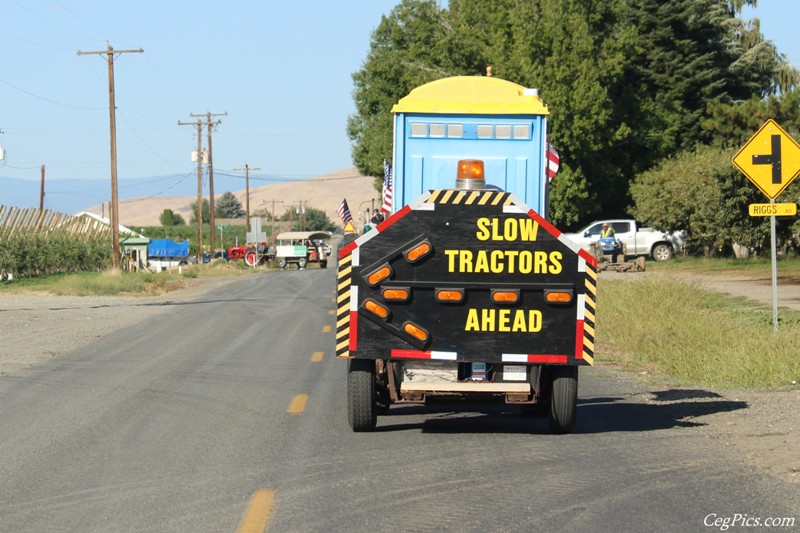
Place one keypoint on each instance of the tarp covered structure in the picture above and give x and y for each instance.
(167, 248)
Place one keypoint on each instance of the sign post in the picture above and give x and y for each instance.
(771, 160)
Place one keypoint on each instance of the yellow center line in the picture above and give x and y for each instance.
(257, 513)
(331, 311)
(327, 329)
(317, 357)
(298, 404)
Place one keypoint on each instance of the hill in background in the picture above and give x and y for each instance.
(324, 193)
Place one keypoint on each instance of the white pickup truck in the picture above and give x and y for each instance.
(637, 241)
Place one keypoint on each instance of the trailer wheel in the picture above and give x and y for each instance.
(323, 263)
(282, 262)
(361, 395)
(302, 262)
(251, 257)
(563, 399)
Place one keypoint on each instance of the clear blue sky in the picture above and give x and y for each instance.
(281, 70)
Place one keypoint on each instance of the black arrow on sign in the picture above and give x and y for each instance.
(773, 159)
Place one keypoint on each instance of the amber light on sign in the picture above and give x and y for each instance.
(396, 294)
(558, 297)
(449, 295)
(376, 309)
(505, 297)
(418, 252)
(379, 275)
(415, 331)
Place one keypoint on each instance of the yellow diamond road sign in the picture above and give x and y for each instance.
(770, 159)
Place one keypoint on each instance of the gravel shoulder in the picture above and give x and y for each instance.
(765, 431)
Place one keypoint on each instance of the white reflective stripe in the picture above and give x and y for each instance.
(581, 305)
(450, 356)
(515, 358)
(367, 236)
(515, 209)
(355, 256)
(425, 207)
(353, 298)
(569, 244)
(581, 264)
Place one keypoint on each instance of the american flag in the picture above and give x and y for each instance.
(344, 212)
(387, 188)
(553, 161)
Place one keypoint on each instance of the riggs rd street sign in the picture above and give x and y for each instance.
(770, 159)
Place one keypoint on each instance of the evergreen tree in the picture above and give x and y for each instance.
(228, 206)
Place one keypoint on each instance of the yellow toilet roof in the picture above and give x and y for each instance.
(476, 95)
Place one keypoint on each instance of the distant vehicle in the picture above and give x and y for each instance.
(163, 254)
(252, 254)
(636, 241)
(303, 247)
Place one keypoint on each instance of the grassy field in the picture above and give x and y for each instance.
(696, 336)
(111, 283)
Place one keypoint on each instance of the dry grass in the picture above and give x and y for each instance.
(696, 336)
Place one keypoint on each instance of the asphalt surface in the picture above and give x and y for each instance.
(230, 408)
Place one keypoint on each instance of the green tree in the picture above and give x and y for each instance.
(628, 82)
(228, 206)
(206, 212)
(169, 218)
(702, 192)
(307, 219)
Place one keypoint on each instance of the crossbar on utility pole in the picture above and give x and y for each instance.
(247, 170)
(109, 53)
(212, 214)
(199, 214)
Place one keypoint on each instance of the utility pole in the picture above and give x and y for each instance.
(199, 215)
(247, 170)
(212, 214)
(41, 192)
(109, 53)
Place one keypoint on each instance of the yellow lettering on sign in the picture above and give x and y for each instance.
(509, 229)
(503, 262)
(504, 320)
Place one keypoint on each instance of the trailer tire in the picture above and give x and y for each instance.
(563, 399)
(282, 262)
(362, 409)
(302, 262)
(251, 257)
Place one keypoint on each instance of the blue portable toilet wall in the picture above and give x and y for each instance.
(466, 117)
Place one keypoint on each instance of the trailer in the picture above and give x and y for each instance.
(466, 291)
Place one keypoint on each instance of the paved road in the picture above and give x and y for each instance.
(231, 405)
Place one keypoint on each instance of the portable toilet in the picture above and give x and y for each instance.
(470, 117)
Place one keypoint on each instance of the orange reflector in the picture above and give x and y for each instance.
(415, 331)
(379, 275)
(558, 297)
(505, 297)
(396, 294)
(376, 308)
(470, 169)
(450, 295)
(418, 252)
